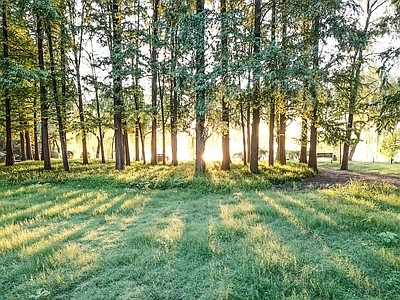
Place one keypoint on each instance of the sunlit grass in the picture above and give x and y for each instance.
(146, 177)
(163, 233)
(378, 168)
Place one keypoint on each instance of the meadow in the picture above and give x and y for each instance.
(164, 233)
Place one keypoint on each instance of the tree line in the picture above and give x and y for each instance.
(209, 66)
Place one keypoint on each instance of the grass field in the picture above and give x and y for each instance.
(163, 233)
(366, 167)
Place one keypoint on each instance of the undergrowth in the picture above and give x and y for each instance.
(145, 177)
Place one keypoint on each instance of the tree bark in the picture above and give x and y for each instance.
(243, 134)
(22, 142)
(354, 147)
(355, 85)
(256, 91)
(137, 155)
(44, 106)
(312, 156)
(271, 139)
(161, 91)
(117, 84)
(226, 156)
(98, 113)
(200, 106)
(174, 121)
(126, 144)
(303, 141)
(248, 128)
(77, 51)
(282, 139)
(312, 159)
(7, 95)
(154, 62)
(28, 145)
(60, 117)
(36, 155)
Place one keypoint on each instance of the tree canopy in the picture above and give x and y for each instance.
(150, 67)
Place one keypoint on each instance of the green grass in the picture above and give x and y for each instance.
(380, 168)
(163, 233)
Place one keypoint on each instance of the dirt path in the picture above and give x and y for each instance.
(329, 177)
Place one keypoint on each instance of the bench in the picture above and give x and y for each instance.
(326, 155)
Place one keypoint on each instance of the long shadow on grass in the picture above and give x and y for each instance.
(39, 248)
(341, 269)
(164, 253)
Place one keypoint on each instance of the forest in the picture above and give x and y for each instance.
(151, 69)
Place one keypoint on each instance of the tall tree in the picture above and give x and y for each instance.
(97, 100)
(200, 106)
(362, 39)
(315, 39)
(256, 90)
(44, 105)
(116, 62)
(154, 55)
(77, 47)
(59, 108)
(7, 94)
(272, 104)
(226, 157)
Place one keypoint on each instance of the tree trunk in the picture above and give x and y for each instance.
(255, 132)
(126, 144)
(142, 142)
(35, 128)
(44, 106)
(7, 94)
(282, 139)
(60, 117)
(101, 134)
(28, 145)
(355, 85)
(271, 148)
(154, 62)
(139, 127)
(77, 47)
(283, 105)
(137, 157)
(312, 156)
(174, 122)
(243, 134)
(226, 156)
(303, 141)
(248, 127)
(315, 32)
(117, 84)
(22, 142)
(256, 91)
(346, 146)
(161, 91)
(200, 106)
(353, 149)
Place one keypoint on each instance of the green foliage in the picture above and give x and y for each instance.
(388, 237)
(40, 294)
(390, 145)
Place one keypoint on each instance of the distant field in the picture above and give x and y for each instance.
(164, 233)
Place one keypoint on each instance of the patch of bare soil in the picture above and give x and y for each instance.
(328, 177)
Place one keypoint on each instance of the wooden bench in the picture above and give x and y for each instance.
(325, 155)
